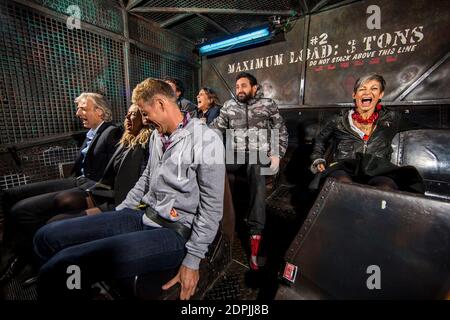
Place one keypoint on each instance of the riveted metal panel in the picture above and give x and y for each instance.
(395, 231)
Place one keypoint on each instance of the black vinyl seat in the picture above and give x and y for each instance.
(403, 235)
(428, 151)
(351, 227)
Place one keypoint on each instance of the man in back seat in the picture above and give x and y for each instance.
(28, 207)
(169, 218)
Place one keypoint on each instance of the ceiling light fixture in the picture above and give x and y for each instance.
(245, 38)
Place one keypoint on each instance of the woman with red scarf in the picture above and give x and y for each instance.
(360, 141)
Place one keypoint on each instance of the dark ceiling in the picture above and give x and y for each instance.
(202, 20)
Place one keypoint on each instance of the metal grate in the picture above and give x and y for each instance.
(227, 4)
(36, 163)
(44, 66)
(144, 64)
(105, 14)
(16, 290)
(158, 17)
(279, 202)
(188, 75)
(13, 180)
(143, 32)
(197, 28)
(236, 23)
(55, 155)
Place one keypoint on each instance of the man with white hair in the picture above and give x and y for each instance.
(28, 207)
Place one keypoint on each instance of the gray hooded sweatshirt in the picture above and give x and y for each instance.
(188, 177)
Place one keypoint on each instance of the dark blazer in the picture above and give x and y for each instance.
(100, 152)
(114, 186)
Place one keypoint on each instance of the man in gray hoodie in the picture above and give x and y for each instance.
(169, 218)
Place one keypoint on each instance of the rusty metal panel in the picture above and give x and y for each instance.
(276, 67)
(342, 47)
(437, 81)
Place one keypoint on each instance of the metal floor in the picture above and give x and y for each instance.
(15, 290)
(231, 286)
(238, 282)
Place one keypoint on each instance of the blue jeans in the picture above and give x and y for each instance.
(106, 246)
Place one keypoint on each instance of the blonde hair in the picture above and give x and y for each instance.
(99, 102)
(130, 141)
(148, 88)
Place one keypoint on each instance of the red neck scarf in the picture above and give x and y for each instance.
(374, 116)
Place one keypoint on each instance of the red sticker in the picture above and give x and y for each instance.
(290, 272)
(173, 213)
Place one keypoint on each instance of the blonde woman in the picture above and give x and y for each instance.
(119, 177)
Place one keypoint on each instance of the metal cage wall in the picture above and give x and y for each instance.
(44, 65)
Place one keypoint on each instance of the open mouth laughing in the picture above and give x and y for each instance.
(366, 102)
